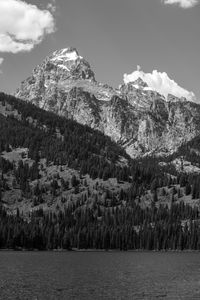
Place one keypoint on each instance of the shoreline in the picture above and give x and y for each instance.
(100, 250)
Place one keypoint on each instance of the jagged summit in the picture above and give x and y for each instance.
(139, 83)
(65, 65)
(71, 62)
(65, 55)
(66, 51)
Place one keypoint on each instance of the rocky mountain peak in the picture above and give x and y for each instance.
(139, 83)
(71, 64)
(65, 65)
(66, 59)
(68, 53)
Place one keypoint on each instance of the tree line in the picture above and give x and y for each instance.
(124, 228)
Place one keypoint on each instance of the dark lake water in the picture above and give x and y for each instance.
(99, 275)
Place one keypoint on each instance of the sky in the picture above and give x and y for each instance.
(114, 36)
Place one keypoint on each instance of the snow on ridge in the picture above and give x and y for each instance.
(161, 83)
(63, 67)
(147, 89)
(66, 55)
(136, 86)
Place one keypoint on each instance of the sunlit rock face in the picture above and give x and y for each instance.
(136, 116)
(43, 86)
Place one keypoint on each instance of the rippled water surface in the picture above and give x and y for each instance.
(99, 275)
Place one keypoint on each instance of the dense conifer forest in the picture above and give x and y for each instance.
(124, 228)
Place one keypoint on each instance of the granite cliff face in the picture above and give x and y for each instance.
(137, 117)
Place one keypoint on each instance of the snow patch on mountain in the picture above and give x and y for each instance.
(66, 54)
(161, 83)
(64, 67)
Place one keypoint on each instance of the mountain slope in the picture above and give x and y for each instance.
(40, 150)
(61, 130)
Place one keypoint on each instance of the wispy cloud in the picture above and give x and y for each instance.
(161, 83)
(23, 25)
(182, 3)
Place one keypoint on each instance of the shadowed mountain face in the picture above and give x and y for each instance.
(135, 116)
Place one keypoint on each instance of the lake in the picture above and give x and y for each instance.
(99, 275)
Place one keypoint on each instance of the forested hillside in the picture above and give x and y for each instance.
(58, 140)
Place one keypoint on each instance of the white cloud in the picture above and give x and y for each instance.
(22, 25)
(182, 3)
(161, 83)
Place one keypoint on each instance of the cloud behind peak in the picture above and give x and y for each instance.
(161, 83)
(182, 3)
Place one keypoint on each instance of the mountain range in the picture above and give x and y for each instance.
(135, 115)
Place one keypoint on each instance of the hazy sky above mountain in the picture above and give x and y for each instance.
(113, 35)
